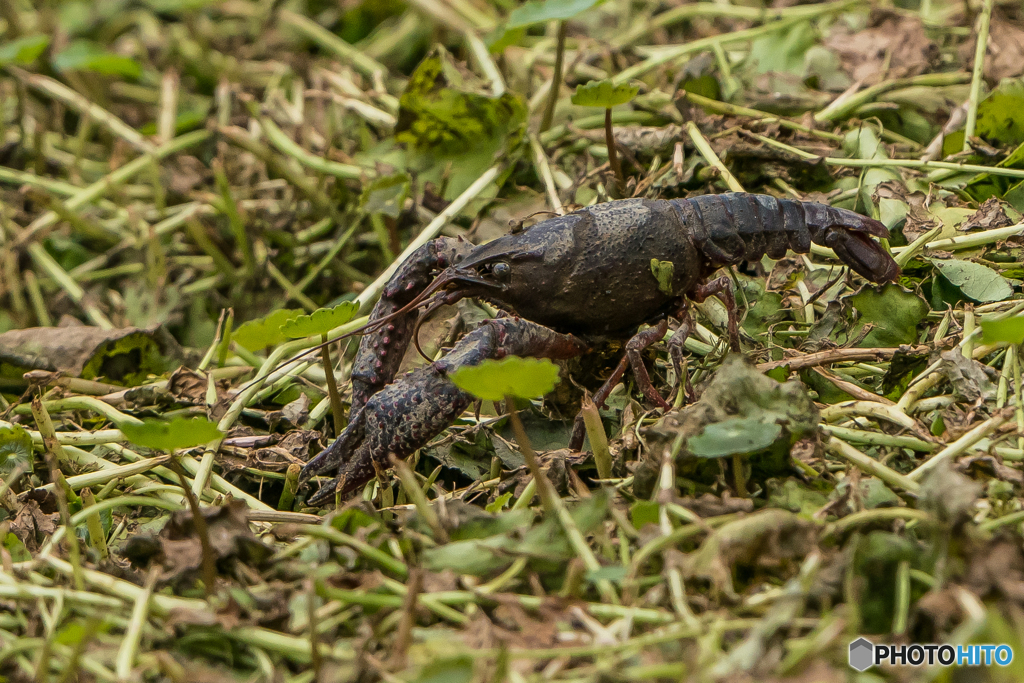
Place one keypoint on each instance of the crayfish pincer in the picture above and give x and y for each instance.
(569, 281)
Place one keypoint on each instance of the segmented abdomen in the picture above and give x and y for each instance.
(734, 227)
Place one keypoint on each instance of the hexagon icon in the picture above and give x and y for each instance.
(862, 654)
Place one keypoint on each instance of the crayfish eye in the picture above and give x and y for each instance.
(501, 271)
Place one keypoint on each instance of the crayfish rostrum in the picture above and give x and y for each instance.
(568, 282)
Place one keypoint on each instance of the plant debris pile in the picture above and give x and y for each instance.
(195, 194)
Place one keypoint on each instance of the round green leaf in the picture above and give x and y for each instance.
(976, 281)
(170, 436)
(892, 312)
(1005, 330)
(1001, 113)
(320, 321)
(493, 380)
(15, 449)
(604, 94)
(734, 436)
(258, 334)
(549, 10)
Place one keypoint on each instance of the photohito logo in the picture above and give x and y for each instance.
(864, 654)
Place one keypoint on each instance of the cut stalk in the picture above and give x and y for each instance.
(613, 156)
(556, 79)
(976, 77)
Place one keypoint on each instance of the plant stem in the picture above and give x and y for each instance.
(96, 536)
(976, 77)
(54, 454)
(291, 485)
(202, 531)
(613, 156)
(739, 475)
(870, 465)
(554, 506)
(332, 387)
(556, 79)
(705, 150)
(598, 439)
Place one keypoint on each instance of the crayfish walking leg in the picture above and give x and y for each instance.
(631, 358)
(405, 415)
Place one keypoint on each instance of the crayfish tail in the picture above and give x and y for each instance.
(847, 233)
(866, 257)
(734, 227)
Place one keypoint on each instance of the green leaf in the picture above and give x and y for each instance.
(663, 271)
(763, 308)
(493, 380)
(170, 436)
(644, 512)
(893, 313)
(84, 55)
(499, 503)
(550, 10)
(320, 321)
(23, 51)
(734, 436)
(258, 334)
(875, 494)
(446, 111)
(783, 53)
(604, 94)
(386, 195)
(498, 39)
(976, 281)
(454, 670)
(796, 497)
(15, 449)
(613, 572)
(186, 120)
(17, 549)
(1005, 330)
(1001, 114)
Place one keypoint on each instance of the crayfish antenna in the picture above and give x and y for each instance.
(431, 307)
(369, 327)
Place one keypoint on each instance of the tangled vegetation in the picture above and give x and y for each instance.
(194, 192)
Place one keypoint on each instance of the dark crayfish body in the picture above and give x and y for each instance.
(573, 278)
(589, 272)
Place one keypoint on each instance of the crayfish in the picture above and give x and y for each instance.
(569, 282)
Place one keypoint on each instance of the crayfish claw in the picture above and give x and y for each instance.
(405, 415)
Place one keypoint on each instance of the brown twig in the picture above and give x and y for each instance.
(209, 562)
(810, 360)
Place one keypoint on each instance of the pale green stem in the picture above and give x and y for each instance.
(483, 59)
(325, 39)
(99, 115)
(870, 465)
(963, 444)
(540, 160)
(979, 67)
(289, 147)
(665, 55)
(118, 177)
(845, 105)
(133, 635)
(704, 148)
